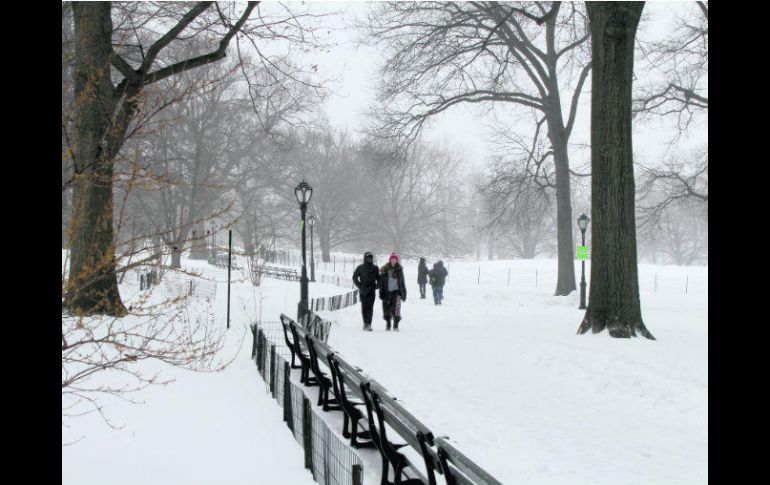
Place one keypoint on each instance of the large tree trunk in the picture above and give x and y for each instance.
(92, 287)
(198, 242)
(529, 246)
(614, 292)
(565, 282)
(176, 257)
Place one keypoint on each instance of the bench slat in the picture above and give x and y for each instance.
(466, 465)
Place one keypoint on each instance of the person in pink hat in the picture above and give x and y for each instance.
(392, 291)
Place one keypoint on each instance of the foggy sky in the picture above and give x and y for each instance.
(463, 126)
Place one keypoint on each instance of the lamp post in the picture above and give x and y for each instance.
(583, 221)
(311, 223)
(303, 192)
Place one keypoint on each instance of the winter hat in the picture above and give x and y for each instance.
(368, 255)
(393, 256)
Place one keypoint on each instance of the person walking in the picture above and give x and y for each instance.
(366, 278)
(422, 277)
(437, 280)
(392, 291)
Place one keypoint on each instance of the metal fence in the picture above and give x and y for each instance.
(327, 455)
(335, 302)
(344, 281)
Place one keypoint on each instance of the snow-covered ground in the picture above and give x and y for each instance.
(497, 367)
(500, 370)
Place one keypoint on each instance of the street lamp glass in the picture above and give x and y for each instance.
(583, 221)
(311, 220)
(303, 192)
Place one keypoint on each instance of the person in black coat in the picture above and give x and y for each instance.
(366, 278)
(422, 277)
(392, 291)
(437, 280)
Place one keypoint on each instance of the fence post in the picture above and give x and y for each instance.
(358, 473)
(253, 340)
(272, 370)
(656, 283)
(191, 287)
(535, 278)
(260, 351)
(478, 280)
(288, 417)
(509, 277)
(686, 284)
(307, 433)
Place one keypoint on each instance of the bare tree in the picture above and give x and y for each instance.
(680, 64)
(677, 179)
(673, 206)
(67, 96)
(408, 197)
(614, 289)
(524, 53)
(329, 160)
(102, 356)
(113, 67)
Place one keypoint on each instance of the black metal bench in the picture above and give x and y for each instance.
(414, 462)
(352, 414)
(285, 325)
(304, 358)
(377, 404)
(324, 383)
(313, 324)
(459, 469)
(280, 273)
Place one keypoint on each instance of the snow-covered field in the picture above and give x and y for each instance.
(500, 370)
(497, 367)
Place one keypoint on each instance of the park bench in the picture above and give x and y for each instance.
(313, 324)
(280, 273)
(285, 321)
(415, 461)
(352, 414)
(324, 383)
(459, 469)
(380, 405)
(304, 357)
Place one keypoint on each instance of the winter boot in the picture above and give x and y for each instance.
(368, 327)
(387, 326)
(395, 323)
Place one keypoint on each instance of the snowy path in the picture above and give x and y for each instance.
(501, 371)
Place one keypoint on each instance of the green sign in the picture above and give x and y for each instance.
(582, 253)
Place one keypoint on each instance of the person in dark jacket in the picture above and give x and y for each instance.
(422, 277)
(392, 291)
(366, 278)
(437, 278)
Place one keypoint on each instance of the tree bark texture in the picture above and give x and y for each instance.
(92, 287)
(614, 291)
